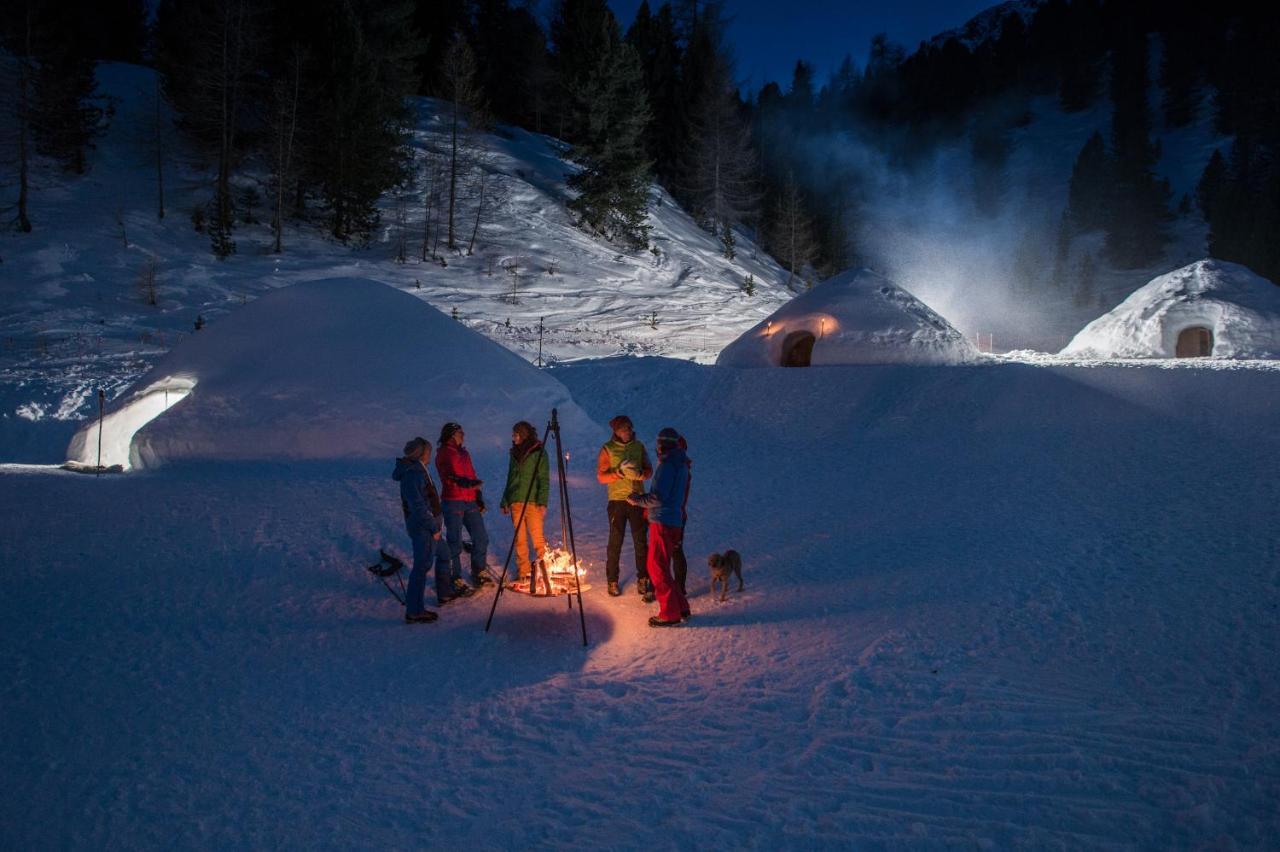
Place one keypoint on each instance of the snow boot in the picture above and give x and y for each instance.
(462, 590)
(654, 621)
(614, 591)
(425, 617)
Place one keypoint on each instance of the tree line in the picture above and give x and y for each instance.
(315, 95)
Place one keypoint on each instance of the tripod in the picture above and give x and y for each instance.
(539, 572)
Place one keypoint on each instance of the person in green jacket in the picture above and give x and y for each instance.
(527, 506)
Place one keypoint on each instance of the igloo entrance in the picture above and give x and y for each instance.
(107, 443)
(797, 349)
(1194, 342)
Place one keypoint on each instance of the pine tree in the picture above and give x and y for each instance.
(606, 112)
(1136, 230)
(655, 40)
(1088, 193)
(465, 113)
(1211, 182)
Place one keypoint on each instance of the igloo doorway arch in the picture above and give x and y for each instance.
(1194, 342)
(119, 427)
(797, 349)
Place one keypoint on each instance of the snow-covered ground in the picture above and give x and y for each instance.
(73, 318)
(994, 605)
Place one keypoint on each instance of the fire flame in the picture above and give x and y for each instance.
(559, 575)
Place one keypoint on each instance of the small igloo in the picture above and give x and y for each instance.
(1211, 308)
(856, 317)
(340, 368)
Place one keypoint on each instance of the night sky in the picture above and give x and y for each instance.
(768, 36)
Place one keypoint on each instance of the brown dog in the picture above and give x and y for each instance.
(722, 566)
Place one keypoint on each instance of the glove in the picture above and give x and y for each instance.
(480, 503)
(629, 470)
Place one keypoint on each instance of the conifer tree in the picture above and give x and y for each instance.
(1089, 189)
(791, 235)
(466, 107)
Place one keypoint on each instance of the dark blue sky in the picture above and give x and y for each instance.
(768, 36)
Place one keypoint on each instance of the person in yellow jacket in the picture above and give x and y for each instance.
(622, 467)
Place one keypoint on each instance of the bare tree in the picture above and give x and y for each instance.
(465, 113)
(792, 237)
(285, 120)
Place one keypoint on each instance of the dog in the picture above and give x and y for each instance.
(722, 566)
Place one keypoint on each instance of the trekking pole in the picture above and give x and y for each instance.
(102, 400)
(540, 319)
(568, 520)
(524, 509)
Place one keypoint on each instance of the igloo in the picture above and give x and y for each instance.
(856, 317)
(1209, 308)
(336, 368)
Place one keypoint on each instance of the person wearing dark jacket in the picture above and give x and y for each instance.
(463, 503)
(622, 467)
(665, 506)
(527, 493)
(421, 505)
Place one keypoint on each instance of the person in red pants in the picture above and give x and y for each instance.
(665, 505)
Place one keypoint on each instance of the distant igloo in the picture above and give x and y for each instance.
(856, 317)
(342, 368)
(1209, 308)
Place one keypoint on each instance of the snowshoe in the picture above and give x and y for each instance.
(654, 621)
(425, 617)
(461, 589)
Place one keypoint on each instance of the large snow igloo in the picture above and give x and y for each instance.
(341, 368)
(856, 317)
(1209, 308)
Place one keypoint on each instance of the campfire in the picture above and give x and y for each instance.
(556, 578)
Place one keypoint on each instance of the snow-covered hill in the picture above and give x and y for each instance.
(73, 319)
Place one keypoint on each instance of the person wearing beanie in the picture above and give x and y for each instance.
(527, 493)
(463, 503)
(665, 506)
(622, 467)
(421, 504)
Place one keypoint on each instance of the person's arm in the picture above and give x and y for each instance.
(604, 473)
(543, 488)
(512, 467)
(416, 499)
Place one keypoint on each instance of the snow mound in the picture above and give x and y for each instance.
(1211, 305)
(332, 368)
(856, 317)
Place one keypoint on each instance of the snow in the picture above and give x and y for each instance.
(1240, 309)
(334, 368)
(74, 321)
(992, 605)
(856, 317)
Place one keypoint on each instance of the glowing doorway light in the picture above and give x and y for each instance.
(119, 427)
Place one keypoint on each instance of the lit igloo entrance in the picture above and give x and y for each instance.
(1194, 342)
(106, 443)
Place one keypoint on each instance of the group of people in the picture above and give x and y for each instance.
(435, 518)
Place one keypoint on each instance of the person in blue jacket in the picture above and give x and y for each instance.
(422, 519)
(665, 506)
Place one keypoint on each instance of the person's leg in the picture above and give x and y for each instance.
(453, 510)
(659, 566)
(680, 567)
(617, 511)
(473, 520)
(444, 569)
(520, 522)
(537, 516)
(639, 540)
(677, 558)
(413, 603)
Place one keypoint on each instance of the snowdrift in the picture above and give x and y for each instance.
(1211, 307)
(856, 317)
(334, 368)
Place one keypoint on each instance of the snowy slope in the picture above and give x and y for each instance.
(990, 606)
(1240, 309)
(73, 319)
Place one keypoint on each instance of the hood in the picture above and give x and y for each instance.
(402, 467)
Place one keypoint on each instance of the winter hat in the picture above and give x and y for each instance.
(618, 422)
(668, 436)
(447, 430)
(525, 430)
(415, 448)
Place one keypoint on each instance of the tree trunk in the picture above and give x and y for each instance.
(453, 172)
(159, 154)
(475, 229)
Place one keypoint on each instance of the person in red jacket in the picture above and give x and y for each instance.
(462, 502)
